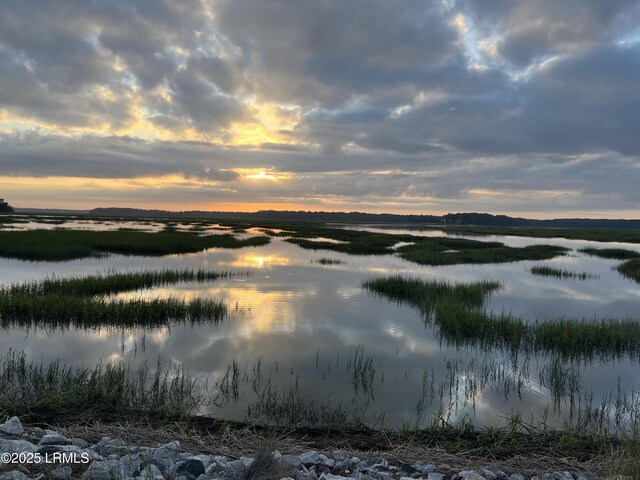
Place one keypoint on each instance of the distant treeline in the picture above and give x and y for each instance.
(481, 219)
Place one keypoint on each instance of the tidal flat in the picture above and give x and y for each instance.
(324, 326)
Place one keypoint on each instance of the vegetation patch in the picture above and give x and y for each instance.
(28, 387)
(631, 269)
(85, 302)
(329, 261)
(545, 271)
(58, 245)
(456, 310)
(612, 253)
(436, 252)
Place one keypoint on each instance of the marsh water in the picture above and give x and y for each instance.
(307, 334)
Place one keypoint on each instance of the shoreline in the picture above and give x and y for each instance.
(199, 436)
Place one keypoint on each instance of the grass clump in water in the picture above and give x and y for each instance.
(545, 271)
(439, 251)
(456, 309)
(84, 302)
(59, 245)
(329, 261)
(612, 253)
(28, 388)
(631, 269)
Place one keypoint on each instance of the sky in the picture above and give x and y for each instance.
(521, 107)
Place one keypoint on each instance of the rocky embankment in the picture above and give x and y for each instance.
(35, 453)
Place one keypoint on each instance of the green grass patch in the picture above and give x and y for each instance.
(612, 253)
(631, 269)
(457, 311)
(435, 252)
(545, 271)
(58, 245)
(85, 303)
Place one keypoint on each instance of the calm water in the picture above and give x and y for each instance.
(297, 321)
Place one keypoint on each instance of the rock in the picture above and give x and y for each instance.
(61, 473)
(516, 476)
(328, 476)
(579, 476)
(376, 475)
(16, 446)
(340, 455)
(497, 474)
(14, 475)
(309, 459)
(372, 462)
(79, 442)
(290, 461)
(347, 465)
(151, 471)
(12, 427)
(54, 439)
(406, 469)
(109, 446)
(424, 467)
(192, 468)
(97, 471)
(435, 476)
(469, 475)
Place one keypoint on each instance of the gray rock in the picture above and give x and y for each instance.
(207, 477)
(192, 468)
(111, 446)
(579, 476)
(309, 459)
(557, 476)
(328, 476)
(498, 474)
(151, 471)
(347, 465)
(12, 427)
(97, 471)
(290, 461)
(79, 442)
(372, 462)
(340, 455)
(13, 475)
(424, 467)
(376, 475)
(470, 475)
(435, 476)
(61, 473)
(16, 446)
(516, 476)
(54, 439)
(361, 476)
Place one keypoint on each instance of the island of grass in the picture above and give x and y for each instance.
(457, 311)
(85, 302)
(60, 245)
(546, 271)
(630, 268)
(423, 250)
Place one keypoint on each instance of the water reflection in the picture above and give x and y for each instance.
(306, 322)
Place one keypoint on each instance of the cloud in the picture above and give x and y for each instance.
(422, 102)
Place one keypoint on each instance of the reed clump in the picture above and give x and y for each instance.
(31, 388)
(612, 253)
(85, 302)
(545, 271)
(457, 311)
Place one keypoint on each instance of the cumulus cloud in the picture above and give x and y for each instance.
(448, 105)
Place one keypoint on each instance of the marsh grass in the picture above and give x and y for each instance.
(612, 253)
(84, 301)
(59, 245)
(28, 387)
(545, 271)
(329, 261)
(631, 269)
(456, 310)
